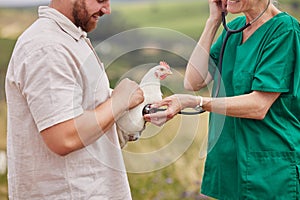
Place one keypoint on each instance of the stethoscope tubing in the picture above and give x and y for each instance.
(229, 32)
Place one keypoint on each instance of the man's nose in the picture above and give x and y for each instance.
(106, 8)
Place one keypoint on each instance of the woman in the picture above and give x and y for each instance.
(257, 155)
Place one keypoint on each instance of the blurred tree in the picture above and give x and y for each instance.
(110, 25)
(6, 47)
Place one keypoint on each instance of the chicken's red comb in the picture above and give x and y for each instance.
(163, 63)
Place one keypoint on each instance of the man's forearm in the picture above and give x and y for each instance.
(85, 129)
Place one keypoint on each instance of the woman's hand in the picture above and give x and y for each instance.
(215, 9)
(174, 104)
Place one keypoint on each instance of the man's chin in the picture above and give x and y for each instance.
(90, 27)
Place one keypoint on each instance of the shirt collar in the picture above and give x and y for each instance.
(63, 22)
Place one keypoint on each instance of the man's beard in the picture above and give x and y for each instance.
(81, 16)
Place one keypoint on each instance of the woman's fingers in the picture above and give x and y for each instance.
(158, 118)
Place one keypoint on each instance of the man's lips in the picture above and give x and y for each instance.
(95, 17)
(98, 15)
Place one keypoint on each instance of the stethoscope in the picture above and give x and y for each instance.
(148, 110)
(229, 32)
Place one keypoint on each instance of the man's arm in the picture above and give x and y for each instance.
(74, 134)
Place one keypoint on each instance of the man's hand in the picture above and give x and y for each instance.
(127, 95)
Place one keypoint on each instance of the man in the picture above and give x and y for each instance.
(62, 142)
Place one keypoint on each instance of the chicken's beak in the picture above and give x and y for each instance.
(169, 72)
(165, 74)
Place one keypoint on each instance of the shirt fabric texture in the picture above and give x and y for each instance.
(55, 75)
(258, 159)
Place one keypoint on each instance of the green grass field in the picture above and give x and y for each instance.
(182, 178)
(3, 181)
(185, 17)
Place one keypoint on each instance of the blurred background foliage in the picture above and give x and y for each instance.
(181, 179)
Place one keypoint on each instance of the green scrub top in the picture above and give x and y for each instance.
(258, 159)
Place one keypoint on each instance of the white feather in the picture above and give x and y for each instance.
(131, 124)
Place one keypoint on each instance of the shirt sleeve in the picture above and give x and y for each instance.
(50, 81)
(274, 70)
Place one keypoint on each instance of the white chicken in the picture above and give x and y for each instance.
(131, 124)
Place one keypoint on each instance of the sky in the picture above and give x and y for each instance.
(20, 3)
